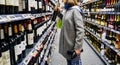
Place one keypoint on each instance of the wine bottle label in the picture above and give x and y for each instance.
(15, 29)
(1, 61)
(110, 26)
(30, 38)
(2, 2)
(6, 57)
(102, 23)
(35, 4)
(23, 4)
(30, 4)
(20, 5)
(24, 45)
(2, 34)
(10, 31)
(20, 27)
(16, 2)
(18, 50)
(29, 27)
(40, 4)
(9, 2)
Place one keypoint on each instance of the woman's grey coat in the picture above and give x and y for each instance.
(72, 32)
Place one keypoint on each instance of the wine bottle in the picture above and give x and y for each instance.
(11, 41)
(30, 34)
(40, 6)
(21, 6)
(23, 41)
(17, 47)
(5, 45)
(43, 6)
(117, 60)
(118, 22)
(9, 6)
(117, 45)
(25, 6)
(2, 7)
(1, 60)
(16, 6)
(36, 6)
(21, 45)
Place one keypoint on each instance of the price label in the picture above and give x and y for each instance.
(11, 17)
(25, 16)
(35, 54)
(27, 60)
(1, 19)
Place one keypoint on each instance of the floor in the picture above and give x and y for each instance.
(88, 57)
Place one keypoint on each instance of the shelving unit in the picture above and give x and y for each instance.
(102, 20)
(104, 42)
(101, 57)
(17, 17)
(104, 27)
(25, 30)
(37, 46)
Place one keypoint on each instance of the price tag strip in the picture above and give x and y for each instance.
(30, 55)
(47, 52)
(2, 20)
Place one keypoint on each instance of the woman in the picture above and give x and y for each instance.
(72, 33)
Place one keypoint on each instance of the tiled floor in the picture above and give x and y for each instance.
(88, 56)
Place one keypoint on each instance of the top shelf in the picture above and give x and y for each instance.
(89, 2)
(103, 12)
(18, 17)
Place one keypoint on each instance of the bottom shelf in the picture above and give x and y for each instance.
(99, 55)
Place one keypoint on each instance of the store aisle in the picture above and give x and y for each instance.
(88, 56)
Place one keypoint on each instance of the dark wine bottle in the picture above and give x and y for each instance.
(1, 61)
(9, 7)
(31, 7)
(23, 42)
(36, 6)
(118, 59)
(5, 45)
(17, 48)
(43, 6)
(117, 44)
(16, 6)
(40, 6)
(2, 7)
(117, 22)
(11, 41)
(30, 34)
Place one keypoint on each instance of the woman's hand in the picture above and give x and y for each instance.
(57, 8)
(78, 52)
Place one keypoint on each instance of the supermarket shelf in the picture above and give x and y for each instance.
(89, 2)
(105, 12)
(105, 42)
(47, 51)
(37, 46)
(53, 2)
(18, 17)
(101, 57)
(107, 28)
(42, 14)
(43, 52)
(40, 24)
